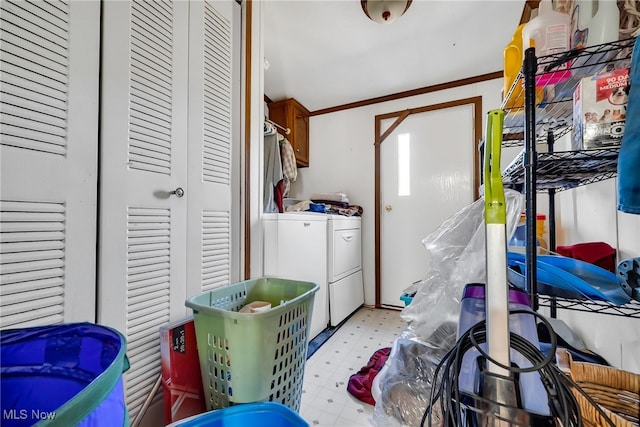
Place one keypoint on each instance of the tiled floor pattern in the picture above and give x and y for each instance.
(325, 400)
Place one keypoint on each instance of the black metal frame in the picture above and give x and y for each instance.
(530, 124)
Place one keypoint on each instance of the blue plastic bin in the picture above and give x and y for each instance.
(63, 375)
(264, 414)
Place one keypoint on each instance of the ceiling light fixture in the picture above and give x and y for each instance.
(384, 11)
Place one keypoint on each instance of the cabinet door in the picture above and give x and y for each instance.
(49, 70)
(300, 120)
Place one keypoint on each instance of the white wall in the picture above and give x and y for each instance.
(342, 159)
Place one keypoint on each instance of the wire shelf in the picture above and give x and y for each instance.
(631, 309)
(554, 102)
(564, 170)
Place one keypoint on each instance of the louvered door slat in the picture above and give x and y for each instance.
(143, 255)
(10, 268)
(153, 291)
(32, 244)
(30, 237)
(14, 288)
(7, 248)
(35, 295)
(31, 256)
(215, 244)
(217, 97)
(20, 98)
(24, 16)
(153, 261)
(151, 86)
(137, 286)
(218, 128)
(50, 125)
(17, 217)
(151, 148)
(31, 41)
(35, 66)
(27, 276)
(139, 153)
(40, 316)
(29, 77)
(42, 66)
(145, 12)
(27, 90)
(142, 347)
(46, 306)
(25, 47)
(159, 116)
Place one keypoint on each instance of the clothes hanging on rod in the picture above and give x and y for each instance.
(272, 171)
(269, 129)
(286, 131)
(289, 168)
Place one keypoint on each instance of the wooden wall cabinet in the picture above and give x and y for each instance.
(293, 115)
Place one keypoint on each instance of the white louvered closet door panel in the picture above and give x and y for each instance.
(210, 136)
(49, 65)
(142, 278)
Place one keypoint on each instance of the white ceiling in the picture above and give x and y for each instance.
(327, 53)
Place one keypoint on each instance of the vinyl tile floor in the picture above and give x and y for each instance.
(325, 400)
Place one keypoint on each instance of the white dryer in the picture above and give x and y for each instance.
(346, 289)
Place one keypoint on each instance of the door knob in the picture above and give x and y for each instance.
(178, 192)
(388, 208)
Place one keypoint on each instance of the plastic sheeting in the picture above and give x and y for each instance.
(455, 257)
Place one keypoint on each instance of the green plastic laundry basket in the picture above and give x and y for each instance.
(253, 357)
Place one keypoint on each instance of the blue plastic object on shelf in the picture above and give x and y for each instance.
(263, 414)
(572, 278)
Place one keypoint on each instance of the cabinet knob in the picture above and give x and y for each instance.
(388, 208)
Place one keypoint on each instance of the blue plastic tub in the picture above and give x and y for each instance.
(63, 375)
(264, 414)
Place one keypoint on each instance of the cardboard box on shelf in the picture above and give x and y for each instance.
(181, 377)
(599, 110)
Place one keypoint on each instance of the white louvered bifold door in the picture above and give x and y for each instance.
(209, 154)
(166, 124)
(49, 63)
(143, 159)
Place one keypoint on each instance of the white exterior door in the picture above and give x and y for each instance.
(427, 174)
(166, 132)
(48, 153)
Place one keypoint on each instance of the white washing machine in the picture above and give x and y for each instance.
(346, 289)
(319, 248)
(295, 247)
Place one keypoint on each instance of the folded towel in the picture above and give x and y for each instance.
(332, 197)
(629, 157)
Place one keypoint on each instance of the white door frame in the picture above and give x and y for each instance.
(380, 136)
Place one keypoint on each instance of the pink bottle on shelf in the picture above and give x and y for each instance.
(549, 33)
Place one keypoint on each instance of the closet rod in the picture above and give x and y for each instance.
(287, 131)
